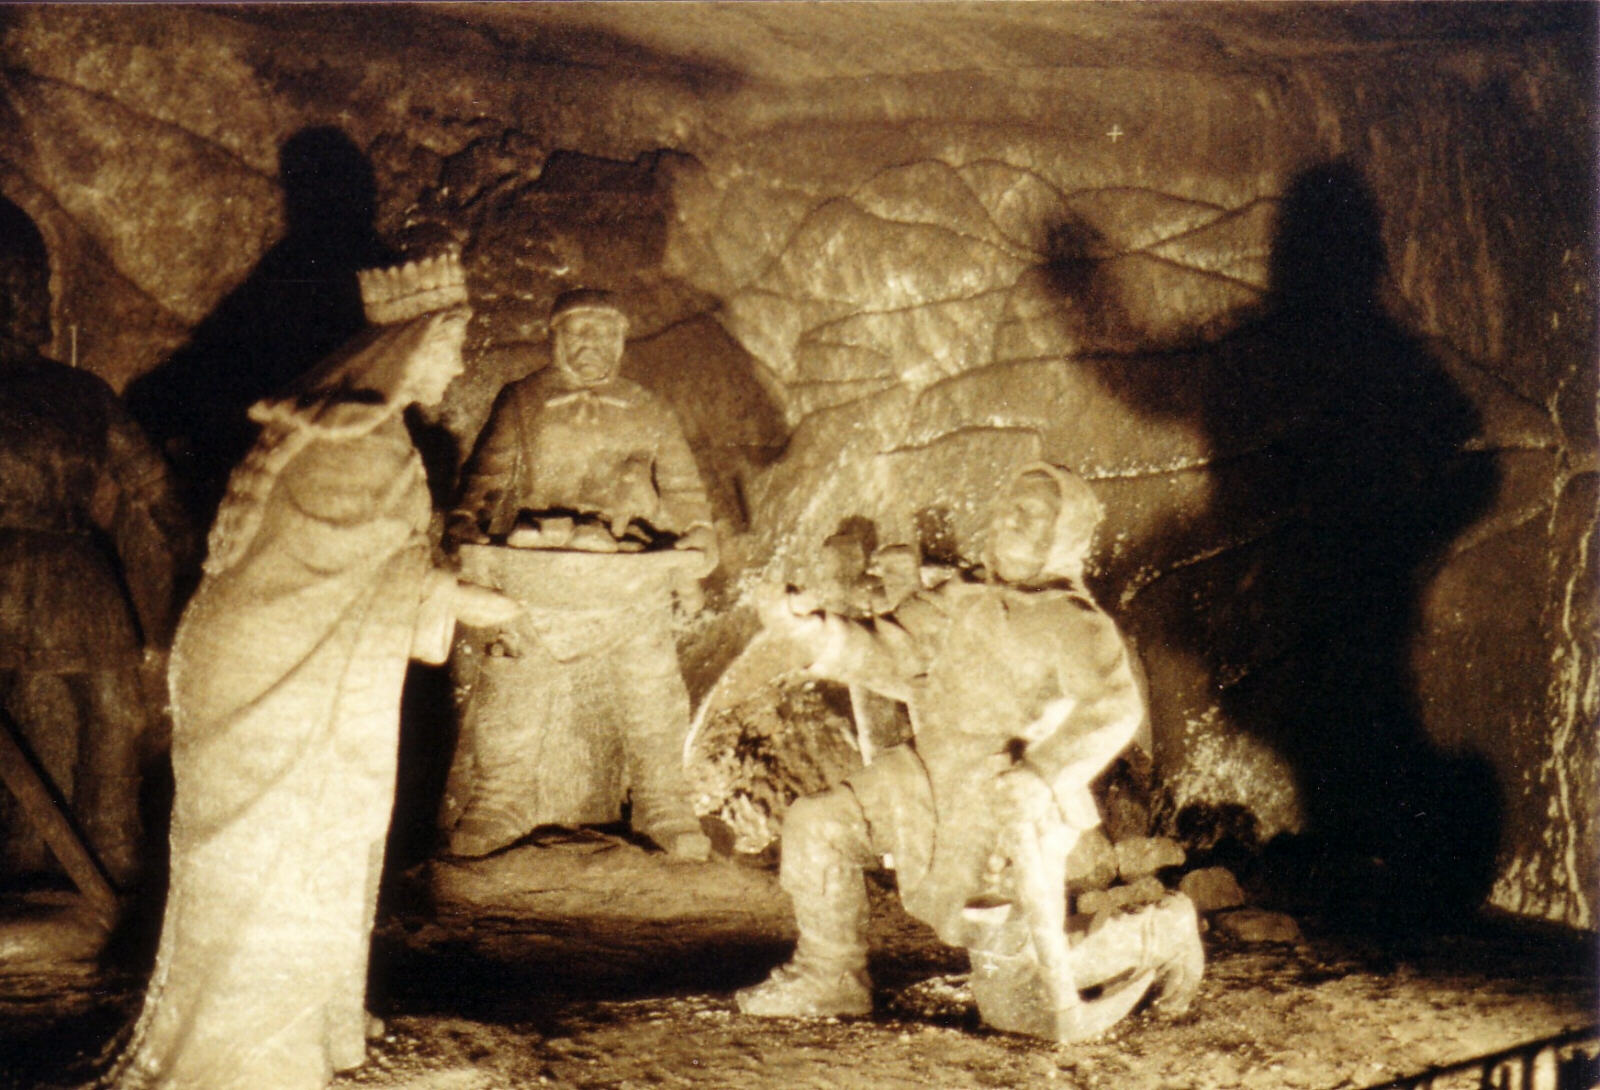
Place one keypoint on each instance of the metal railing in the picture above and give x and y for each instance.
(1567, 1061)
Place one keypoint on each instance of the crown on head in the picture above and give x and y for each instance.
(399, 293)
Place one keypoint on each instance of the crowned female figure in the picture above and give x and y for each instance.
(286, 676)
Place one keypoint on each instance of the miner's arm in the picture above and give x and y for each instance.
(1096, 715)
(887, 654)
(683, 493)
(488, 496)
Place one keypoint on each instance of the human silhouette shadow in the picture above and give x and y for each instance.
(298, 304)
(1339, 464)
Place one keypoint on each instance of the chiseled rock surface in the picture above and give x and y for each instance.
(749, 764)
(1140, 856)
(1257, 925)
(1092, 864)
(1135, 894)
(1212, 889)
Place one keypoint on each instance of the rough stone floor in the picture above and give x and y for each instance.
(544, 969)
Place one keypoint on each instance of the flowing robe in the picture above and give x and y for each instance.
(286, 681)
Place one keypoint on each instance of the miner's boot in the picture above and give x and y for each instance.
(681, 840)
(1007, 982)
(669, 822)
(1015, 992)
(662, 806)
(1173, 950)
(484, 829)
(828, 975)
(1159, 941)
(823, 848)
(809, 987)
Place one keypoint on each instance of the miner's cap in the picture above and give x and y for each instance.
(579, 300)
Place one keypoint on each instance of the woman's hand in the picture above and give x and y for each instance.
(482, 607)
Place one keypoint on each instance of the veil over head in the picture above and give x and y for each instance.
(1078, 514)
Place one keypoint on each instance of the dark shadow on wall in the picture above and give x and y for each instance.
(1095, 318)
(299, 303)
(24, 282)
(1338, 462)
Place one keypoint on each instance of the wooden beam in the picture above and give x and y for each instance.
(42, 805)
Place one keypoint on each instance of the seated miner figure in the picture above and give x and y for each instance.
(92, 540)
(1022, 692)
(583, 501)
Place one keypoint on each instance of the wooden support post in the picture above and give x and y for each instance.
(43, 808)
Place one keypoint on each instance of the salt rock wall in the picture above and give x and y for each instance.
(1308, 294)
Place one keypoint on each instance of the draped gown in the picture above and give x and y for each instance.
(286, 680)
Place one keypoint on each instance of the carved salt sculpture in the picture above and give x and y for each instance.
(286, 680)
(582, 501)
(91, 539)
(858, 585)
(1021, 690)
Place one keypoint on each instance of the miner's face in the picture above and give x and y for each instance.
(439, 361)
(1023, 528)
(588, 346)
